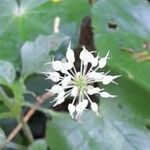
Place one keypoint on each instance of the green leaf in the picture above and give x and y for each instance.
(125, 122)
(37, 18)
(54, 134)
(12, 106)
(35, 54)
(7, 73)
(2, 138)
(94, 133)
(124, 33)
(39, 144)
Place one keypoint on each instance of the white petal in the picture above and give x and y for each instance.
(84, 103)
(90, 57)
(68, 65)
(94, 107)
(70, 54)
(66, 81)
(71, 109)
(86, 56)
(54, 76)
(96, 75)
(83, 53)
(107, 95)
(80, 108)
(56, 89)
(60, 98)
(103, 61)
(94, 91)
(94, 62)
(57, 65)
(74, 91)
(108, 79)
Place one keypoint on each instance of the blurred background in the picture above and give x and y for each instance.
(28, 40)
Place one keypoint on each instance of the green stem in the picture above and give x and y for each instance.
(27, 132)
(42, 109)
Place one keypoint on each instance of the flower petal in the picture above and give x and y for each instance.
(70, 54)
(94, 107)
(94, 61)
(84, 103)
(94, 91)
(103, 61)
(107, 95)
(56, 89)
(71, 109)
(74, 91)
(66, 81)
(60, 98)
(108, 79)
(86, 56)
(54, 76)
(57, 65)
(96, 75)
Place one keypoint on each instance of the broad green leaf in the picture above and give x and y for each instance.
(33, 18)
(123, 126)
(55, 134)
(7, 72)
(11, 108)
(35, 54)
(2, 138)
(123, 27)
(39, 144)
(95, 133)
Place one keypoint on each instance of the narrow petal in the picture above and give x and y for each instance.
(84, 103)
(83, 53)
(107, 95)
(108, 79)
(70, 54)
(96, 75)
(94, 91)
(71, 109)
(54, 76)
(66, 81)
(74, 91)
(56, 89)
(103, 61)
(94, 62)
(57, 65)
(60, 98)
(67, 65)
(94, 107)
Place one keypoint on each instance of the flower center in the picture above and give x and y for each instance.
(80, 82)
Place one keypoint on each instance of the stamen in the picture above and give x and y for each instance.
(88, 97)
(74, 69)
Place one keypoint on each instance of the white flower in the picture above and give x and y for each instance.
(80, 85)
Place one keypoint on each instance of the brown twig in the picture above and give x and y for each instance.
(39, 100)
